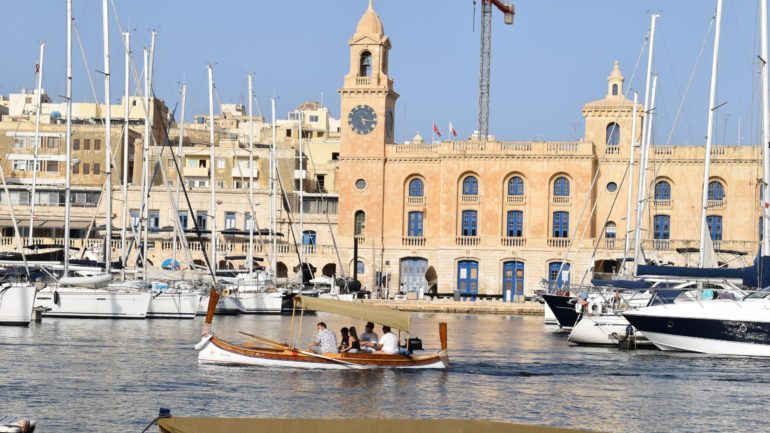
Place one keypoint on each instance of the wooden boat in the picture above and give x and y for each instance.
(261, 351)
(259, 425)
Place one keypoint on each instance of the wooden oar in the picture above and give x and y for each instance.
(284, 346)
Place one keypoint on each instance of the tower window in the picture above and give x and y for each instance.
(365, 66)
(613, 134)
(614, 90)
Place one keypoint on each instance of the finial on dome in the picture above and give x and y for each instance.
(615, 81)
(370, 23)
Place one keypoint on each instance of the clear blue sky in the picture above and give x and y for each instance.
(554, 58)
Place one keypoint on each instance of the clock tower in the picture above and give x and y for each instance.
(367, 113)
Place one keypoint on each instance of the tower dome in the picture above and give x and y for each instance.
(370, 24)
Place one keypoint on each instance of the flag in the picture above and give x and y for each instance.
(452, 130)
(37, 67)
(435, 129)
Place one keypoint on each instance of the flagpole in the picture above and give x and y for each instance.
(433, 133)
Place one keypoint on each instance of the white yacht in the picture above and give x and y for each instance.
(16, 303)
(83, 302)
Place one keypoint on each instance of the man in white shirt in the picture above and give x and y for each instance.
(388, 343)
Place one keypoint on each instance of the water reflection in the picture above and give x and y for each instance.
(113, 375)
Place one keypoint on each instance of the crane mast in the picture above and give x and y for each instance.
(486, 58)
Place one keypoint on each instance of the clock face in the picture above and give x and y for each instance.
(389, 123)
(362, 119)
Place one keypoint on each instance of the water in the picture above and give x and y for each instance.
(104, 375)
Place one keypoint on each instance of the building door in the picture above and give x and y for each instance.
(468, 277)
(413, 274)
(513, 280)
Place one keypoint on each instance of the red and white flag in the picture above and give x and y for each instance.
(452, 130)
(435, 129)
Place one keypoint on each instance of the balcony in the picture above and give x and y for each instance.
(360, 239)
(716, 204)
(516, 199)
(364, 81)
(468, 241)
(470, 199)
(558, 242)
(196, 171)
(662, 204)
(413, 241)
(559, 200)
(513, 242)
(415, 201)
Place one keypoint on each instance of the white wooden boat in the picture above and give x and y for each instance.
(16, 303)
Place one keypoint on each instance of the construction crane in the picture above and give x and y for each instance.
(508, 11)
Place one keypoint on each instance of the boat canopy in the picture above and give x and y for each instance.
(622, 284)
(372, 313)
(755, 276)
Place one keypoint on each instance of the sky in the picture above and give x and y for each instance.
(555, 58)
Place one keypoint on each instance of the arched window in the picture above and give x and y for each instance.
(613, 134)
(662, 190)
(716, 191)
(361, 268)
(365, 65)
(714, 223)
(308, 237)
(360, 223)
(561, 187)
(514, 227)
(516, 186)
(470, 186)
(416, 188)
(561, 224)
(610, 230)
(469, 223)
(614, 90)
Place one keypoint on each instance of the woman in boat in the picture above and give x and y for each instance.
(345, 340)
(354, 345)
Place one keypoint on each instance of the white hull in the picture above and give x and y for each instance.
(94, 303)
(550, 318)
(226, 305)
(16, 303)
(678, 343)
(260, 302)
(181, 305)
(209, 353)
(339, 297)
(604, 329)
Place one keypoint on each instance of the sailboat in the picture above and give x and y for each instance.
(723, 326)
(87, 295)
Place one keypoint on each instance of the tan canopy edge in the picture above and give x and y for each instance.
(265, 425)
(381, 315)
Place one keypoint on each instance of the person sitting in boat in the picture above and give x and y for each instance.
(354, 344)
(387, 344)
(345, 343)
(325, 341)
(368, 336)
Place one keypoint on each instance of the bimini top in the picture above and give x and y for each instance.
(257, 425)
(371, 313)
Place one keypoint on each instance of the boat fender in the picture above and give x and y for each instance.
(202, 344)
(578, 307)
(56, 299)
(595, 307)
(226, 292)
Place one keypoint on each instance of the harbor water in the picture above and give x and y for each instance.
(108, 375)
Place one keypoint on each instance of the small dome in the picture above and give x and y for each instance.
(370, 23)
(615, 74)
(417, 139)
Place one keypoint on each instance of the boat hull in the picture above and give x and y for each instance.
(602, 330)
(215, 351)
(16, 304)
(183, 305)
(564, 311)
(260, 302)
(226, 305)
(94, 303)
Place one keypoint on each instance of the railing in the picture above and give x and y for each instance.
(561, 200)
(715, 204)
(196, 171)
(416, 148)
(662, 203)
(612, 149)
(563, 147)
(516, 146)
(609, 243)
(516, 199)
(364, 81)
(360, 239)
(413, 241)
(470, 199)
(462, 146)
(416, 201)
(717, 151)
(558, 242)
(513, 242)
(661, 244)
(468, 241)
(664, 150)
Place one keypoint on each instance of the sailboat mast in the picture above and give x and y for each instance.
(68, 145)
(704, 231)
(39, 107)
(301, 195)
(180, 160)
(145, 164)
(646, 130)
(273, 220)
(107, 136)
(212, 171)
(251, 181)
(629, 203)
(765, 132)
(126, 89)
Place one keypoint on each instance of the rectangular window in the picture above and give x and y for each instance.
(135, 219)
(288, 132)
(335, 156)
(183, 219)
(561, 224)
(469, 223)
(153, 220)
(229, 220)
(171, 162)
(415, 224)
(220, 163)
(76, 144)
(96, 169)
(201, 218)
(515, 224)
(86, 169)
(320, 181)
(313, 118)
(53, 142)
(714, 223)
(52, 167)
(19, 165)
(247, 222)
(97, 144)
(662, 227)
(220, 184)
(19, 142)
(86, 144)
(75, 168)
